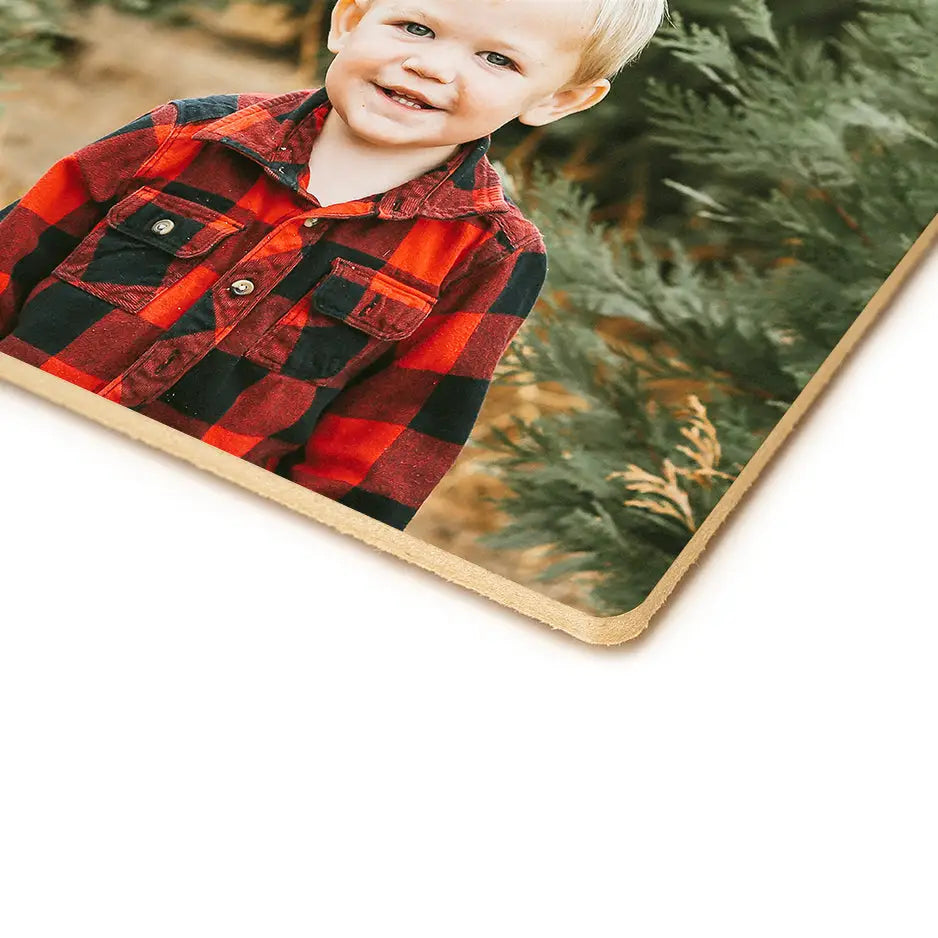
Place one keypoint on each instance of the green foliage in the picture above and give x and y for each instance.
(29, 30)
(609, 147)
(808, 174)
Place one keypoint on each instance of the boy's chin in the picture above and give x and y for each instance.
(389, 134)
(411, 143)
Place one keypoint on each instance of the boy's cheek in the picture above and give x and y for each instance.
(358, 67)
(368, 52)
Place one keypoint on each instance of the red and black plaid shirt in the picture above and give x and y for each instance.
(180, 267)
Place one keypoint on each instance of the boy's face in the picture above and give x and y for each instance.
(439, 73)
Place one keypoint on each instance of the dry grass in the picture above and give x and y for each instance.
(668, 496)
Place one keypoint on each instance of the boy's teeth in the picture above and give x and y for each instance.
(410, 102)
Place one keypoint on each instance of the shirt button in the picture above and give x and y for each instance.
(242, 287)
(311, 222)
(163, 227)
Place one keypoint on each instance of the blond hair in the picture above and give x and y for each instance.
(621, 29)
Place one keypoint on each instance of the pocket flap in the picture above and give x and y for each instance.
(371, 301)
(175, 225)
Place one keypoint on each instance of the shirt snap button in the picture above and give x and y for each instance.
(242, 287)
(310, 222)
(163, 227)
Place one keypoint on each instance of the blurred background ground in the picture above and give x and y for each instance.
(120, 66)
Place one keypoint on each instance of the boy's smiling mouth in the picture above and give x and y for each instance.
(407, 99)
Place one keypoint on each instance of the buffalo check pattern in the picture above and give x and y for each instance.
(180, 267)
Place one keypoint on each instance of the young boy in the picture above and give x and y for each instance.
(320, 282)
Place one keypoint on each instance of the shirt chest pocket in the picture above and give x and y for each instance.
(148, 241)
(348, 319)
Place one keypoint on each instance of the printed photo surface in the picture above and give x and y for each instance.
(529, 281)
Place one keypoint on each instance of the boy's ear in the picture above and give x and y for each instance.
(565, 102)
(346, 15)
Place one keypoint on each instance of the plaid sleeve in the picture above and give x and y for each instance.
(387, 439)
(39, 230)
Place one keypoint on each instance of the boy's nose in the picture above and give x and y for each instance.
(433, 67)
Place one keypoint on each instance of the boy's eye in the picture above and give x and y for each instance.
(496, 58)
(417, 29)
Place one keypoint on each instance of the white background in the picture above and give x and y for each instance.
(220, 718)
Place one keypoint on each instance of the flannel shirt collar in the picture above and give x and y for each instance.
(279, 134)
